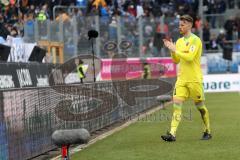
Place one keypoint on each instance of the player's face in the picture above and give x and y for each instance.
(76, 61)
(184, 26)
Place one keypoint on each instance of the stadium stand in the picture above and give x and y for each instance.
(215, 20)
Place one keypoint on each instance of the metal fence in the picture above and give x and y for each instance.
(28, 117)
(215, 20)
(144, 34)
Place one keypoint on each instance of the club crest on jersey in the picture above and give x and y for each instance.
(192, 48)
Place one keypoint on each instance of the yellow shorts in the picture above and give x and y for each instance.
(185, 90)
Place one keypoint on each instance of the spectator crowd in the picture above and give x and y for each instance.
(15, 13)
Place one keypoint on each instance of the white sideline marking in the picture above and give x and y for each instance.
(108, 133)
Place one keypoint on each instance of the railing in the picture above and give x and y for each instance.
(144, 34)
(215, 20)
(218, 46)
(30, 114)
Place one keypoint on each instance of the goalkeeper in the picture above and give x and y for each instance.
(187, 53)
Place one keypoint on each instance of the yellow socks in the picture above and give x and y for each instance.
(205, 117)
(177, 115)
(176, 118)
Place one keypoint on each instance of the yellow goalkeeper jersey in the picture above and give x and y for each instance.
(188, 55)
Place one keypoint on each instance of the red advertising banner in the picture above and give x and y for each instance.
(132, 68)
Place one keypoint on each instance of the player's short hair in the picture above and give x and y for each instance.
(81, 61)
(186, 17)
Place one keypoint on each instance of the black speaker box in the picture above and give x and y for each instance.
(4, 52)
(37, 54)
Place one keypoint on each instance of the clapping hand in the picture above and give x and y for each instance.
(169, 44)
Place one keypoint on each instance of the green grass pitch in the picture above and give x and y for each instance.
(141, 140)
